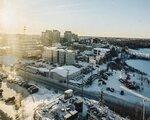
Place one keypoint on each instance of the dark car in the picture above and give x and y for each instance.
(122, 80)
(110, 89)
(105, 76)
(33, 90)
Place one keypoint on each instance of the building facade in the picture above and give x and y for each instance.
(60, 56)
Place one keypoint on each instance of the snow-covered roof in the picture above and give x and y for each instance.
(43, 69)
(64, 69)
(102, 49)
(50, 48)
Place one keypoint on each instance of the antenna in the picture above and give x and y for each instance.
(24, 29)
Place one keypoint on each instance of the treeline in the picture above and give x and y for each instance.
(131, 43)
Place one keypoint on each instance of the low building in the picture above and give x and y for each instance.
(38, 70)
(61, 73)
(100, 51)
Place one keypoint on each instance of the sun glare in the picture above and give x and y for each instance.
(8, 17)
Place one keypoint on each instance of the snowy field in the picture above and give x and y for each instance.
(7, 60)
(144, 50)
(142, 65)
(113, 82)
(32, 101)
(29, 103)
(10, 109)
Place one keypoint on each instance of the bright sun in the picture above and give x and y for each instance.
(8, 17)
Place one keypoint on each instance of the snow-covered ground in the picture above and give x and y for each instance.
(144, 50)
(29, 103)
(32, 101)
(9, 109)
(142, 65)
(7, 60)
(113, 82)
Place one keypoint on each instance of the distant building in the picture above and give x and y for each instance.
(49, 37)
(100, 51)
(70, 37)
(56, 36)
(27, 46)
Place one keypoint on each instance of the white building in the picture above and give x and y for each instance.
(47, 53)
(60, 56)
(100, 51)
(70, 57)
(61, 73)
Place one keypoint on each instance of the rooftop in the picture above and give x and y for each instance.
(64, 69)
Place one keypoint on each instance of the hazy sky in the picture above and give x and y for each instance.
(125, 18)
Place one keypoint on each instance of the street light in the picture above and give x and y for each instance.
(138, 95)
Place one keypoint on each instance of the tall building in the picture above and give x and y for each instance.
(49, 37)
(70, 57)
(27, 46)
(70, 37)
(56, 36)
(60, 56)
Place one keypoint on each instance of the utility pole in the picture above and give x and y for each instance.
(24, 30)
(143, 109)
(101, 102)
(67, 79)
(82, 85)
(24, 33)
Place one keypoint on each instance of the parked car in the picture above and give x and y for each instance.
(33, 90)
(110, 89)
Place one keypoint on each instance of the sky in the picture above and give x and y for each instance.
(110, 18)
